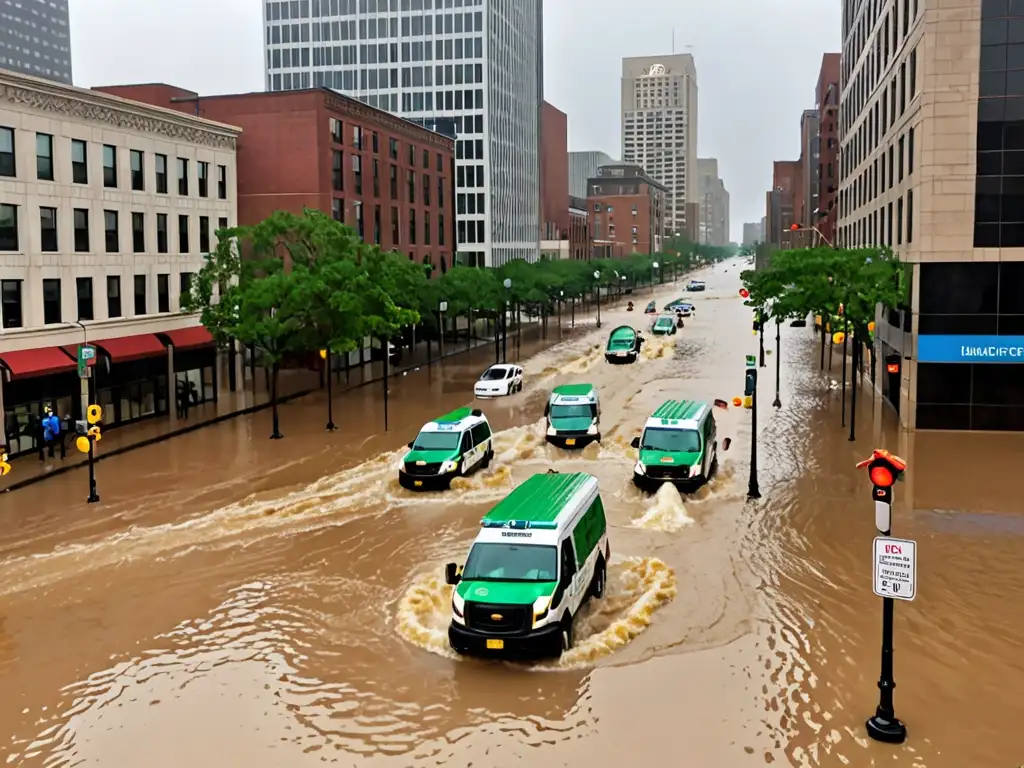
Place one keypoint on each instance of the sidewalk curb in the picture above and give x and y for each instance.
(226, 417)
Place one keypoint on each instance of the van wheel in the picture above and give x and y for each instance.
(597, 584)
(567, 633)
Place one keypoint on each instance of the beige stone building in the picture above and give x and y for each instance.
(932, 164)
(106, 209)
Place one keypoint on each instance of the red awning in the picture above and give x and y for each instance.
(126, 348)
(26, 363)
(189, 338)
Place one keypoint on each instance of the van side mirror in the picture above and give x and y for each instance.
(635, 443)
(451, 574)
(409, 444)
(726, 443)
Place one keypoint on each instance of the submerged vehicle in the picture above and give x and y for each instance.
(498, 380)
(652, 308)
(680, 305)
(664, 326)
(623, 345)
(696, 285)
(451, 446)
(678, 445)
(573, 413)
(541, 553)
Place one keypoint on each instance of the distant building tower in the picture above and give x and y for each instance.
(35, 39)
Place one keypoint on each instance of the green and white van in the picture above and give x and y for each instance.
(574, 414)
(542, 551)
(678, 445)
(455, 444)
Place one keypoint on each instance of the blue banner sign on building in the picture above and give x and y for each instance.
(970, 349)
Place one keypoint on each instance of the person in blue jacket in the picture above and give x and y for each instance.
(51, 430)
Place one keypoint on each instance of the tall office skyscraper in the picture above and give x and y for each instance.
(659, 126)
(478, 62)
(35, 38)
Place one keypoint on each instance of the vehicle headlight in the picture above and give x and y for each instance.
(640, 469)
(449, 466)
(540, 609)
(696, 469)
(458, 606)
(551, 429)
(592, 429)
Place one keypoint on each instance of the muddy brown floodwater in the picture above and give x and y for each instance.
(236, 601)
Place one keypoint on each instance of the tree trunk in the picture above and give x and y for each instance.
(276, 433)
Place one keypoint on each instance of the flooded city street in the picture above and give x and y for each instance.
(237, 601)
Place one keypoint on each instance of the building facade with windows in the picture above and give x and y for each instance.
(582, 167)
(106, 209)
(627, 211)
(659, 127)
(35, 38)
(476, 61)
(713, 202)
(932, 132)
(389, 179)
(826, 99)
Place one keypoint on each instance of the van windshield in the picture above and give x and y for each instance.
(574, 411)
(671, 440)
(437, 441)
(511, 562)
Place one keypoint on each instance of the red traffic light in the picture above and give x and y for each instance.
(744, 293)
(881, 476)
(892, 367)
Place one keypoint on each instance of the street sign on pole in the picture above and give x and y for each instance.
(895, 568)
(86, 357)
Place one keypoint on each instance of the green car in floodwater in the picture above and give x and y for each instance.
(623, 345)
(679, 445)
(665, 325)
(541, 553)
(451, 446)
(573, 413)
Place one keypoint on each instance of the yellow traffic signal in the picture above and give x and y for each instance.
(82, 443)
(94, 414)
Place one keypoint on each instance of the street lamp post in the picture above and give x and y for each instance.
(654, 269)
(750, 390)
(504, 320)
(597, 276)
(326, 354)
(895, 577)
(561, 298)
(441, 309)
(778, 363)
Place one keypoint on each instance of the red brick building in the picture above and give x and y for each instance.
(627, 211)
(389, 179)
(827, 99)
(579, 229)
(554, 173)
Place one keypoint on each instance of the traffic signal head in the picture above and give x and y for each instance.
(750, 383)
(884, 468)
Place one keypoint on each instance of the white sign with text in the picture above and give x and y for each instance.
(895, 568)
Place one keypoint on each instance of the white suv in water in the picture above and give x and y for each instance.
(499, 380)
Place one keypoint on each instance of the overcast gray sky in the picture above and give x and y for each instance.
(757, 64)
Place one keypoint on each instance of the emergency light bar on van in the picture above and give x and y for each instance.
(520, 524)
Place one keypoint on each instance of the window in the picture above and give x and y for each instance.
(182, 176)
(395, 239)
(182, 234)
(161, 174)
(357, 136)
(10, 303)
(412, 156)
(393, 149)
(79, 162)
(426, 189)
(910, 151)
(48, 229)
(204, 234)
(138, 232)
(222, 222)
(204, 178)
(161, 233)
(163, 293)
(140, 294)
(376, 224)
(900, 156)
(138, 173)
(113, 296)
(376, 176)
(109, 166)
(394, 182)
(899, 221)
(8, 227)
(110, 231)
(44, 156)
(338, 210)
(336, 129)
(184, 286)
(51, 302)
(910, 216)
(8, 167)
(440, 229)
(337, 171)
(412, 227)
(357, 173)
(222, 182)
(81, 221)
(411, 184)
(360, 224)
(83, 290)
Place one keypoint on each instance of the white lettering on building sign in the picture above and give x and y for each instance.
(992, 351)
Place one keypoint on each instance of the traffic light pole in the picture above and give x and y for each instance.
(94, 497)
(884, 726)
(778, 364)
